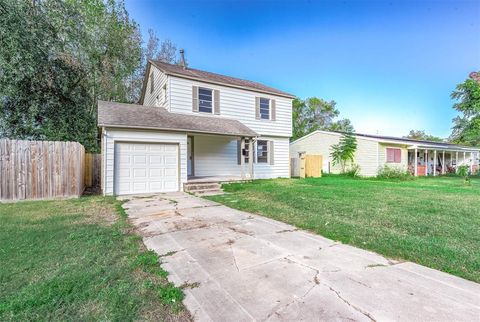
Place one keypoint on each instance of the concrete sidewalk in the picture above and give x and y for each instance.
(252, 268)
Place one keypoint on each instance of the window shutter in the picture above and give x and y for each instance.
(390, 155)
(270, 153)
(216, 102)
(239, 151)
(257, 108)
(398, 156)
(273, 109)
(195, 98)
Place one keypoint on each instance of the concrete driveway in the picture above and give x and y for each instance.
(252, 268)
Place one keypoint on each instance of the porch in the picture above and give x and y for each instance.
(428, 161)
(221, 158)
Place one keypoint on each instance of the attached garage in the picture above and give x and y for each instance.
(144, 149)
(145, 167)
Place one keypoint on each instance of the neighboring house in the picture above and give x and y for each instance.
(193, 124)
(375, 151)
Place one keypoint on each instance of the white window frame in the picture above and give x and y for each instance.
(393, 148)
(256, 150)
(213, 99)
(269, 108)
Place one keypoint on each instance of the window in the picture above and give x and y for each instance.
(264, 108)
(262, 151)
(394, 155)
(247, 151)
(205, 100)
(151, 83)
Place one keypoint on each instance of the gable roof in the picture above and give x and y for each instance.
(204, 76)
(112, 114)
(393, 139)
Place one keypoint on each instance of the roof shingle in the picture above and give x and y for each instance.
(201, 75)
(148, 117)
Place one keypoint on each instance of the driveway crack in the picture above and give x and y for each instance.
(356, 308)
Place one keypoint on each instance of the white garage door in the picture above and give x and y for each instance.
(145, 168)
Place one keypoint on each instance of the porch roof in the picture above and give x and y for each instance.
(113, 114)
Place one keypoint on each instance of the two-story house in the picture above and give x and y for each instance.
(193, 124)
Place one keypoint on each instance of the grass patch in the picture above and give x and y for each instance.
(79, 259)
(431, 221)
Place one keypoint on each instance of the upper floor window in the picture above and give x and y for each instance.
(264, 108)
(205, 100)
(394, 155)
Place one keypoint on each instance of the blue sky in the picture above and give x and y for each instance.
(389, 65)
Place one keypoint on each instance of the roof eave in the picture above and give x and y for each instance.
(253, 134)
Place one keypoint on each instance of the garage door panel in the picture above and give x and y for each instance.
(139, 159)
(156, 173)
(170, 172)
(146, 167)
(139, 173)
(155, 160)
(170, 160)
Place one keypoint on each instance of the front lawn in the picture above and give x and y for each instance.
(79, 260)
(431, 221)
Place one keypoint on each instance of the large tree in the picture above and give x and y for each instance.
(421, 135)
(314, 114)
(466, 126)
(57, 58)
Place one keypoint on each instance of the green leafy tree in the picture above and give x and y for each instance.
(314, 114)
(344, 151)
(466, 126)
(57, 58)
(421, 135)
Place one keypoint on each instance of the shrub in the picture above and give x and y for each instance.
(463, 172)
(353, 171)
(387, 172)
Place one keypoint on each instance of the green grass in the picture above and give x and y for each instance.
(79, 259)
(431, 221)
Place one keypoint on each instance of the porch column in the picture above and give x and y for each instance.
(464, 157)
(471, 162)
(416, 164)
(426, 162)
(456, 160)
(443, 162)
(434, 163)
(250, 156)
(242, 157)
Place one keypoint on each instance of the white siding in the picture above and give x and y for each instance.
(236, 104)
(157, 97)
(217, 156)
(129, 135)
(321, 143)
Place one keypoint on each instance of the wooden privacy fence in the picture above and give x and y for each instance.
(92, 170)
(307, 165)
(40, 169)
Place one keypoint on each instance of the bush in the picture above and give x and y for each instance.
(388, 172)
(463, 171)
(353, 171)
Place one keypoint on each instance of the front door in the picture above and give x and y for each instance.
(189, 156)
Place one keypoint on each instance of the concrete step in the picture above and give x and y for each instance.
(205, 193)
(192, 187)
